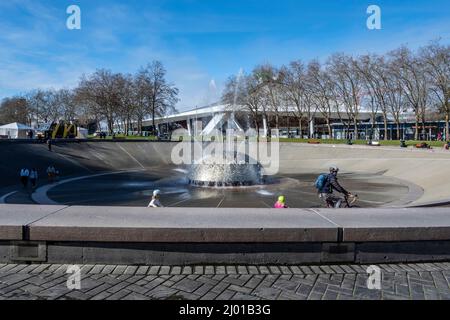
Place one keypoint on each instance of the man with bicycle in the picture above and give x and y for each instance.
(329, 185)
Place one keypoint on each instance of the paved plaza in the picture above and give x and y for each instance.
(425, 281)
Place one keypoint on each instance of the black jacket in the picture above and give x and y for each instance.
(332, 184)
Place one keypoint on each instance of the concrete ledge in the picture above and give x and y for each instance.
(13, 219)
(204, 225)
(377, 225)
(200, 235)
(117, 224)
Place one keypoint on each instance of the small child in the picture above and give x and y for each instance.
(155, 203)
(281, 203)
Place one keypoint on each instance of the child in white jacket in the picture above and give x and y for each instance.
(155, 203)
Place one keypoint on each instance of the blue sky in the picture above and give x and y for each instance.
(197, 40)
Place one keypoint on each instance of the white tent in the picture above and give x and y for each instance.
(82, 133)
(15, 130)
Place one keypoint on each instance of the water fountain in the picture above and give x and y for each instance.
(229, 170)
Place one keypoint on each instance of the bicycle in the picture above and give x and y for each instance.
(349, 200)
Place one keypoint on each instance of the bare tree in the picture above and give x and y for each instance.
(347, 87)
(100, 92)
(245, 91)
(411, 74)
(14, 110)
(160, 96)
(270, 80)
(436, 58)
(321, 87)
(293, 85)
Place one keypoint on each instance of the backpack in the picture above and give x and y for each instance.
(321, 181)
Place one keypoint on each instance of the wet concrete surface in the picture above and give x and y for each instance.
(135, 189)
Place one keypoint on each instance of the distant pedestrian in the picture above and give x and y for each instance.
(24, 175)
(33, 177)
(49, 144)
(51, 173)
(155, 203)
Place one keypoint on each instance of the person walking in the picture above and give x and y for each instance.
(51, 173)
(24, 175)
(49, 144)
(33, 177)
(155, 203)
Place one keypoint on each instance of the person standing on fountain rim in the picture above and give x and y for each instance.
(155, 203)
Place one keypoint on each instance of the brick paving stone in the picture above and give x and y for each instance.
(187, 285)
(330, 295)
(286, 295)
(285, 270)
(396, 268)
(316, 270)
(203, 289)
(306, 270)
(209, 296)
(8, 267)
(240, 289)
(76, 295)
(96, 269)
(118, 295)
(161, 292)
(327, 269)
(286, 285)
(347, 269)
(40, 268)
(18, 268)
(95, 291)
(231, 270)
(209, 270)
(198, 270)
(337, 269)
(406, 267)
(328, 282)
(220, 270)
(118, 270)
(142, 270)
(164, 270)
(254, 281)
(263, 270)
(176, 270)
(135, 296)
(253, 270)
(416, 267)
(274, 270)
(131, 270)
(153, 270)
(295, 270)
(243, 296)
(225, 295)
(187, 270)
(29, 268)
(14, 278)
(358, 269)
(86, 268)
(242, 270)
(108, 269)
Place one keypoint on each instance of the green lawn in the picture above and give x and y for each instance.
(395, 143)
(123, 137)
